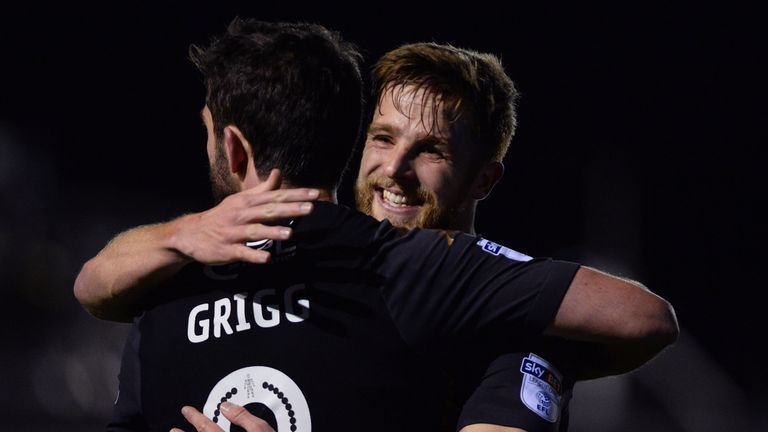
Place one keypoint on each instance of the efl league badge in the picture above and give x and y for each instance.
(541, 390)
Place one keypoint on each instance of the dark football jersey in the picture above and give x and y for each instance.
(356, 325)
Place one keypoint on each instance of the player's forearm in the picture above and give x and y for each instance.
(110, 284)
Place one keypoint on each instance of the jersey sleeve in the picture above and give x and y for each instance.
(439, 286)
(127, 413)
(522, 390)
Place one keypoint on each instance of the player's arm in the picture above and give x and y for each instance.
(110, 284)
(624, 323)
(521, 390)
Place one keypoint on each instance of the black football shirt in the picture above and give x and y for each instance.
(356, 325)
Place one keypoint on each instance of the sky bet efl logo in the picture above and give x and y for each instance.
(541, 388)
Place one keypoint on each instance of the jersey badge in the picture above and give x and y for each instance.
(265, 388)
(497, 249)
(541, 388)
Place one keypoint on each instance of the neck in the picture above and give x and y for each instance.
(328, 195)
(468, 227)
(466, 222)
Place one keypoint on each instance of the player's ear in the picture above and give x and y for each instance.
(487, 177)
(238, 151)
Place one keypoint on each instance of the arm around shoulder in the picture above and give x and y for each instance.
(110, 284)
(610, 310)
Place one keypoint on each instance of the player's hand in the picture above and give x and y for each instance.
(234, 413)
(218, 236)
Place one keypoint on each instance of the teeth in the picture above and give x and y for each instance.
(395, 199)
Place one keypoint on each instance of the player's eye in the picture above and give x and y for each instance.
(432, 151)
(382, 138)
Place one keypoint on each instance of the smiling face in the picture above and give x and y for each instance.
(415, 169)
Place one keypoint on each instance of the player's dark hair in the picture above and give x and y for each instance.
(293, 89)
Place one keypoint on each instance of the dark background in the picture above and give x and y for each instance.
(640, 150)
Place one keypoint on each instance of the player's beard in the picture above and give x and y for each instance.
(222, 183)
(432, 214)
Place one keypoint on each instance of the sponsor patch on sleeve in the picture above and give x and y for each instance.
(497, 249)
(541, 388)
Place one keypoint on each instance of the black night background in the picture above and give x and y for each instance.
(640, 150)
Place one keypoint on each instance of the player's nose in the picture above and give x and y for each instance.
(399, 163)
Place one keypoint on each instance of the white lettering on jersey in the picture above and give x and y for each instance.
(291, 310)
(262, 320)
(193, 322)
(242, 324)
(220, 316)
(268, 307)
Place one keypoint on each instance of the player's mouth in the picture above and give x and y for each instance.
(395, 201)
